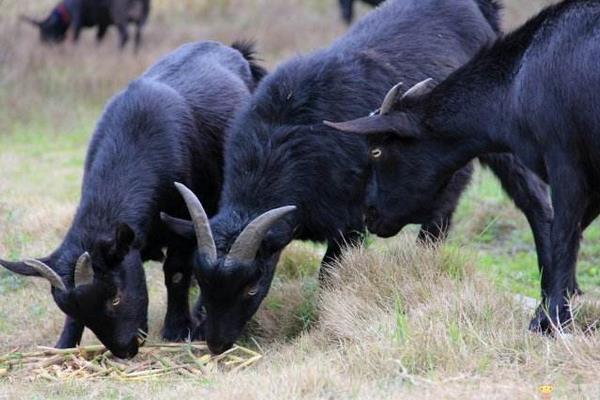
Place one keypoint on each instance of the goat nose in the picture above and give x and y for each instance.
(218, 348)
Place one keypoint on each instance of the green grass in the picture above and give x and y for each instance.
(503, 242)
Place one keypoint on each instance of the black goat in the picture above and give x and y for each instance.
(165, 126)
(347, 7)
(533, 93)
(279, 154)
(79, 14)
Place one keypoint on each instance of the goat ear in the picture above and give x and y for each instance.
(21, 268)
(275, 241)
(180, 227)
(30, 20)
(39, 268)
(124, 237)
(399, 124)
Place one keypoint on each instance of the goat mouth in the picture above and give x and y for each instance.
(129, 351)
(125, 354)
(382, 229)
(219, 348)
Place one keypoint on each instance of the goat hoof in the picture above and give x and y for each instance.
(177, 332)
(549, 320)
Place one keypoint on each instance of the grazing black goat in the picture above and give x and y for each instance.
(347, 7)
(79, 14)
(533, 93)
(288, 176)
(166, 126)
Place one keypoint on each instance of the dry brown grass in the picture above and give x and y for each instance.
(407, 322)
(401, 322)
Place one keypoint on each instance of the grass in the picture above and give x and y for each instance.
(401, 321)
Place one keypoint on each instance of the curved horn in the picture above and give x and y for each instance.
(204, 237)
(84, 274)
(390, 99)
(248, 242)
(46, 272)
(30, 20)
(419, 89)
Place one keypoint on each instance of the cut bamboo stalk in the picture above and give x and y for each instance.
(183, 360)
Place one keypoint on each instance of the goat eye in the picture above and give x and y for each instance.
(376, 152)
(252, 291)
(116, 301)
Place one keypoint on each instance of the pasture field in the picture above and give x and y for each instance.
(401, 322)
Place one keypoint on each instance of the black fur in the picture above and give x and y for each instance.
(79, 14)
(279, 153)
(532, 93)
(247, 48)
(164, 127)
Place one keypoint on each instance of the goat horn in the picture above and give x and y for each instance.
(46, 272)
(419, 89)
(390, 99)
(84, 273)
(204, 237)
(246, 246)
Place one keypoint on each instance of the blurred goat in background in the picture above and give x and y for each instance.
(78, 14)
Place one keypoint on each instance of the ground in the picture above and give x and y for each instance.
(402, 321)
